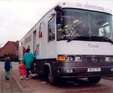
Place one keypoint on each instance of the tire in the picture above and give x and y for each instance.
(94, 79)
(33, 69)
(53, 81)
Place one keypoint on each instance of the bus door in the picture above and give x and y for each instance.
(34, 42)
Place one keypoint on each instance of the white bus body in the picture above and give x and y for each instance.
(50, 40)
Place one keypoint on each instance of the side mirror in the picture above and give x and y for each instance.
(58, 10)
(59, 18)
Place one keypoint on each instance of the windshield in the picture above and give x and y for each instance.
(86, 25)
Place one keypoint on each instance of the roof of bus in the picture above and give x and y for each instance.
(85, 6)
(77, 5)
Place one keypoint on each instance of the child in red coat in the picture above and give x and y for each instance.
(22, 70)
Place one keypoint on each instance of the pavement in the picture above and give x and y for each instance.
(8, 86)
(15, 85)
(32, 85)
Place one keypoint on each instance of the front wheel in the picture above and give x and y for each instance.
(53, 81)
(94, 79)
(33, 69)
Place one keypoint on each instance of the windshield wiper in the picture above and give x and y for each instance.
(107, 39)
(84, 38)
(103, 39)
(91, 38)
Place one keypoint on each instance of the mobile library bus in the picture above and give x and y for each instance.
(72, 40)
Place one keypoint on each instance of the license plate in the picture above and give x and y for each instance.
(94, 69)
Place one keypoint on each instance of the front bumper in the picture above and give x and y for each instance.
(74, 68)
(74, 72)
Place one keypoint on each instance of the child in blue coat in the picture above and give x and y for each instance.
(7, 67)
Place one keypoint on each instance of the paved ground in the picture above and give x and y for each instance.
(35, 85)
(8, 86)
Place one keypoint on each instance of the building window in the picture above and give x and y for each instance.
(51, 30)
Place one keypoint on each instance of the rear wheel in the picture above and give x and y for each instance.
(94, 79)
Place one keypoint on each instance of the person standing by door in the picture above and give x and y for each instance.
(28, 60)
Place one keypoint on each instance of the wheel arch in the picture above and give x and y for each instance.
(47, 67)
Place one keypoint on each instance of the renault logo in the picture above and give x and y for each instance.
(94, 59)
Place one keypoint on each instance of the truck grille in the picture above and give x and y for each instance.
(93, 58)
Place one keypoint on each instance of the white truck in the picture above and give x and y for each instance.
(72, 40)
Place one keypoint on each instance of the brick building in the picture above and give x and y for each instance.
(10, 48)
(0, 49)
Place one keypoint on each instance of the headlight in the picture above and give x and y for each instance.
(78, 59)
(108, 59)
(61, 58)
(70, 58)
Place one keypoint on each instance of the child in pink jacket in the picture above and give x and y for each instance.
(22, 70)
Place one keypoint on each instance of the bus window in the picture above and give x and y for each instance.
(51, 30)
(104, 31)
(84, 25)
(37, 50)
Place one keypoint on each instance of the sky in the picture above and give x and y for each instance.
(17, 17)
